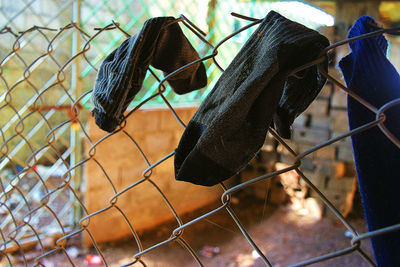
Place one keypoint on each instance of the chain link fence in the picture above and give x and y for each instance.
(46, 79)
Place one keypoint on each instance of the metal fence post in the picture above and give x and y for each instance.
(76, 142)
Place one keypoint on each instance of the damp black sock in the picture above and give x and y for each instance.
(298, 93)
(160, 43)
(231, 124)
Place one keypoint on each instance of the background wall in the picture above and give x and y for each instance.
(158, 133)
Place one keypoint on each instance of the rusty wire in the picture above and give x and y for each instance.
(15, 234)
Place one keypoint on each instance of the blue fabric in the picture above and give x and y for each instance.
(370, 75)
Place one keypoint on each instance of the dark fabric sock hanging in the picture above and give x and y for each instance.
(370, 75)
(297, 96)
(160, 43)
(231, 124)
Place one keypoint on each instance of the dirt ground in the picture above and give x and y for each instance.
(285, 235)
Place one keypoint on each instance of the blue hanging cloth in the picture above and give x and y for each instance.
(370, 75)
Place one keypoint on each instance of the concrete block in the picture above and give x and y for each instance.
(340, 121)
(307, 164)
(345, 154)
(340, 185)
(325, 167)
(321, 122)
(301, 120)
(310, 135)
(337, 192)
(328, 152)
(340, 193)
(318, 107)
(339, 99)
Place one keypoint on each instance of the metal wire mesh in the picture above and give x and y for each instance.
(25, 217)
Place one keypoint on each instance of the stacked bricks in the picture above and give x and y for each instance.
(158, 133)
(331, 168)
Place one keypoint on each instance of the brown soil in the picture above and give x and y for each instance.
(285, 236)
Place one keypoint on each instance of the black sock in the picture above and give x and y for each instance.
(231, 124)
(299, 93)
(160, 43)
